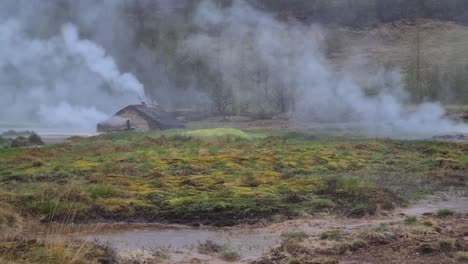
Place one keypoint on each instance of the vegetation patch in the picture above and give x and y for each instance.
(19, 250)
(209, 247)
(331, 235)
(176, 177)
(462, 255)
(387, 243)
(230, 255)
(411, 220)
(216, 133)
(444, 213)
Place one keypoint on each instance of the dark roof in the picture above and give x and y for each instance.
(155, 115)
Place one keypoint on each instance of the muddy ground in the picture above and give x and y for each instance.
(276, 243)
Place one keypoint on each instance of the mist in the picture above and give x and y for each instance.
(77, 68)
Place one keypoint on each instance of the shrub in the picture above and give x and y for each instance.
(19, 142)
(35, 139)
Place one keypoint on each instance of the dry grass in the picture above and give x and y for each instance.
(57, 243)
(391, 243)
(8, 218)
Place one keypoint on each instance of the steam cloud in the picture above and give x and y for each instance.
(63, 79)
(291, 58)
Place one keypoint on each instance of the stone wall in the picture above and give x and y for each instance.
(139, 123)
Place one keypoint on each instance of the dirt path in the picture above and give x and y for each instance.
(179, 243)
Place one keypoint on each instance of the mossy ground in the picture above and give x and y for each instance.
(181, 178)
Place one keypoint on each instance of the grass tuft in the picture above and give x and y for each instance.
(218, 133)
(462, 255)
(331, 235)
(210, 246)
(230, 255)
(447, 244)
(298, 236)
(441, 213)
(411, 220)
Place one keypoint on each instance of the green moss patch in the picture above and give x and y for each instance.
(177, 177)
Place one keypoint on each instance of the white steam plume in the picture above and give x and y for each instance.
(99, 62)
(61, 81)
(241, 40)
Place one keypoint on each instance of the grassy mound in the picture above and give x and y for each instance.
(216, 133)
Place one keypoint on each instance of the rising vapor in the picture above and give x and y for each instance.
(291, 58)
(61, 80)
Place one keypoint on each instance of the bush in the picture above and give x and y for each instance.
(20, 142)
(35, 139)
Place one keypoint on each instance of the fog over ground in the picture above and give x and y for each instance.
(55, 70)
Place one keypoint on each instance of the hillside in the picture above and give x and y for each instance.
(442, 60)
(442, 42)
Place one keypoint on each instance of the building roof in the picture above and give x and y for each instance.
(155, 115)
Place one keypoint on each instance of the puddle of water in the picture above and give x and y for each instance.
(431, 205)
(251, 242)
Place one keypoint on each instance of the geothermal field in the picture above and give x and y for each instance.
(250, 131)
